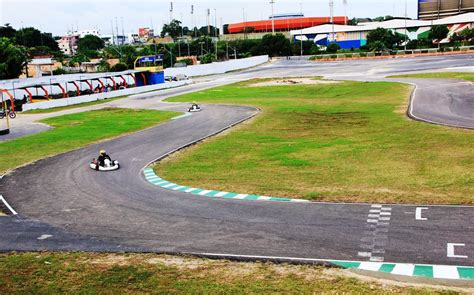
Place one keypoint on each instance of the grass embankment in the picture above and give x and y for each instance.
(346, 142)
(77, 130)
(74, 106)
(44, 273)
(442, 75)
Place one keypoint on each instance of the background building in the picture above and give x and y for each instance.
(436, 9)
(284, 23)
(356, 36)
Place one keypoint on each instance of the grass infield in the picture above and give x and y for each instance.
(345, 142)
(83, 273)
(442, 75)
(77, 130)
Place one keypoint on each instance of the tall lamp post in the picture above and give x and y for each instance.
(272, 2)
(331, 12)
(301, 33)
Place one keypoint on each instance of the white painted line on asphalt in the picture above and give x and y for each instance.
(384, 218)
(375, 211)
(44, 237)
(419, 211)
(451, 252)
(299, 201)
(403, 269)
(372, 266)
(377, 206)
(8, 205)
(385, 213)
(445, 272)
(372, 220)
(373, 215)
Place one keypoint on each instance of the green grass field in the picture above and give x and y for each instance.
(77, 130)
(346, 142)
(442, 75)
(81, 273)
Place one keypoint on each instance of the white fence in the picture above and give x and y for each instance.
(217, 67)
(100, 96)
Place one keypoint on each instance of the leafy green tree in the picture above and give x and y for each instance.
(377, 46)
(7, 31)
(333, 48)
(120, 67)
(276, 45)
(173, 29)
(77, 59)
(31, 37)
(103, 66)
(466, 34)
(208, 58)
(438, 33)
(89, 44)
(12, 59)
(387, 37)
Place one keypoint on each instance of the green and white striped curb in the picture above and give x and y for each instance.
(156, 180)
(412, 270)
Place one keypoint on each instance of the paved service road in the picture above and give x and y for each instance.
(63, 204)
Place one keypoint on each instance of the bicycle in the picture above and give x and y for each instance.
(8, 112)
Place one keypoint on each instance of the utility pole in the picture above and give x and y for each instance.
(208, 22)
(345, 11)
(406, 30)
(215, 29)
(245, 24)
(192, 20)
(272, 2)
(116, 29)
(123, 30)
(301, 33)
(331, 12)
(171, 11)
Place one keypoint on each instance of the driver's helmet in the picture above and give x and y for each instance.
(102, 152)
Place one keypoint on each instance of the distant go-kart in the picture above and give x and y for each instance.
(109, 165)
(194, 108)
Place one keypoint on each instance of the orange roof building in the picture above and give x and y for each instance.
(285, 24)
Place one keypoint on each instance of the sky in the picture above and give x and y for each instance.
(59, 16)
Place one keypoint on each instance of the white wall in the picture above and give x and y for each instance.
(191, 71)
(218, 67)
(100, 96)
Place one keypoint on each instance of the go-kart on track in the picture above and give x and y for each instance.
(63, 205)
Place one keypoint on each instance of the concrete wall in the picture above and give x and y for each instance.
(100, 96)
(218, 67)
(191, 71)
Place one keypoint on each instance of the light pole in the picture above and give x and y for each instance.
(331, 11)
(406, 30)
(301, 33)
(272, 2)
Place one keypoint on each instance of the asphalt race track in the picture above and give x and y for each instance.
(64, 205)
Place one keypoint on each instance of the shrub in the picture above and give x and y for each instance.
(333, 48)
(120, 67)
